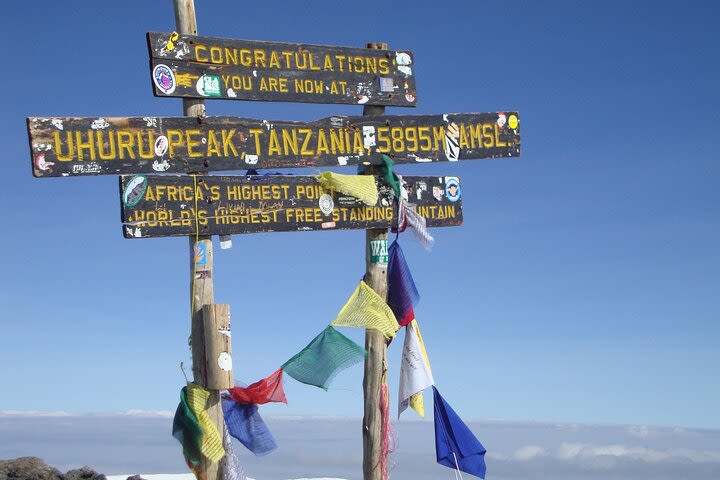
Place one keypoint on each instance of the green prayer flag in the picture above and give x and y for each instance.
(187, 430)
(389, 176)
(323, 358)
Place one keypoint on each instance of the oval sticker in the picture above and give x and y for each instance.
(134, 190)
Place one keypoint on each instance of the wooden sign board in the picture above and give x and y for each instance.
(174, 205)
(219, 68)
(124, 145)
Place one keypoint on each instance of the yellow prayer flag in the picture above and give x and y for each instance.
(417, 403)
(362, 187)
(211, 443)
(422, 344)
(365, 309)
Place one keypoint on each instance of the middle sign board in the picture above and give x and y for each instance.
(123, 145)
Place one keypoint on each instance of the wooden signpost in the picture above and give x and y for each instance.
(63, 146)
(218, 68)
(196, 68)
(169, 205)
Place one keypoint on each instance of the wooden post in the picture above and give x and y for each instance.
(375, 362)
(201, 265)
(218, 348)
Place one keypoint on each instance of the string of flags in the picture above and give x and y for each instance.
(331, 352)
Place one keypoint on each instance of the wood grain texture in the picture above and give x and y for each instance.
(68, 146)
(168, 205)
(229, 69)
(201, 282)
(375, 366)
(218, 347)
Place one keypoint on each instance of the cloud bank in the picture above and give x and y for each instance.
(137, 441)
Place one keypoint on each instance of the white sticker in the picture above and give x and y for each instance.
(403, 58)
(502, 120)
(386, 84)
(251, 159)
(326, 204)
(225, 361)
(369, 136)
(161, 166)
(41, 163)
(161, 145)
(452, 141)
(225, 242)
(99, 124)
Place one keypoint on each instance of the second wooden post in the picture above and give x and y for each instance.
(375, 362)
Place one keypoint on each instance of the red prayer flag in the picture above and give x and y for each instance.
(409, 317)
(268, 389)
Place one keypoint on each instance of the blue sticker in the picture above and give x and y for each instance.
(200, 254)
(164, 79)
(452, 188)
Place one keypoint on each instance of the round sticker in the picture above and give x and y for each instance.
(225, 361)
(502, 120)
(134, 190)
(326, 204)
(164, 79)
(452, 188)
(513, 121)
(161, 145)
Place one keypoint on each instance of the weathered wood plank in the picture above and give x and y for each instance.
(64, 146)
(172, 205)
(219, 68)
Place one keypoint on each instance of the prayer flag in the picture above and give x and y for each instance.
(365, 309)
(211, 442)
(268, 389)
(362, 187)
(402, 293)
(415, 374)
(455, 445)
(245, 423)
(323, 358)
(187, 430)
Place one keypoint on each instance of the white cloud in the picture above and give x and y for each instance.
(148, 413)
(578, 451)
(638, 431)
(61, 413)
(528, 452)
(33, 413)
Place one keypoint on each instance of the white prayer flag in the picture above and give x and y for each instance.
(415, 374)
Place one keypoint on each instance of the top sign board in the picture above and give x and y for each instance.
(218, 68)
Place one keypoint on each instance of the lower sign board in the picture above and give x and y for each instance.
(123, 145)
(173, 205)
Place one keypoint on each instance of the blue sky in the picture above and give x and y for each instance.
(581, 288)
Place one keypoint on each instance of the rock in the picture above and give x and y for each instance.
(84, 473)
(135, 477)
(28, 468)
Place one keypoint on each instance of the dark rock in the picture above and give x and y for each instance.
(135, 477)
(84, 473)
(28, 468)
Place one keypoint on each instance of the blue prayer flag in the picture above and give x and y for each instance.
(455, 445)
(244, 423)
(402, 293)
